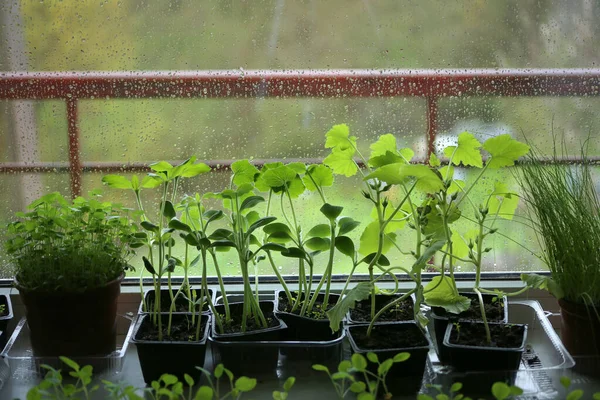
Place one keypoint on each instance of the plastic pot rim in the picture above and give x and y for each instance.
(486, 348)
(140, 320)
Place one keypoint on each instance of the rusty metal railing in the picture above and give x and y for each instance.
(430, 85)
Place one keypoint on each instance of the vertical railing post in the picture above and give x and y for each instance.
(75, 165)
(432, 124)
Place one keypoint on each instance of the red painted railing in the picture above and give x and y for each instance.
(427, 84)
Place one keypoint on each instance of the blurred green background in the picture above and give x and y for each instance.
(136, 35)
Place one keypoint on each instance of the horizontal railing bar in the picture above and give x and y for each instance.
(107, 167)
(299, 83)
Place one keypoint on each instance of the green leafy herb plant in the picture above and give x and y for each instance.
(70, 246)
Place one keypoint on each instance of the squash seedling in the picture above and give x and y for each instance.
(285, 183)
(159, 237)
(445, 206)
(389, 181)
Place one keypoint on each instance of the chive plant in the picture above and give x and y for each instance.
(565, 213)
(159, 236)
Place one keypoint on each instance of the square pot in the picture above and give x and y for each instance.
(173, 357)
(381, 300)
(180, 303)
(404, 378)
(441, 318)
(250, 352)
(305, 328)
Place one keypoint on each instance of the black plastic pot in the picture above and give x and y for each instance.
(72, 324)
(404, 378)
(381, 300)
(441, 318)
(180, 304)
(176, 358)
(499, 363)
(249, 352)
(4, 320)
(306, 328)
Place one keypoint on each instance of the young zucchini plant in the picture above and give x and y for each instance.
(387, 175)
(450, 204)
(286, 183)
(159, 237)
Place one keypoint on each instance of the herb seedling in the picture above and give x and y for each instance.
(454, 393)
(345, 382)
(159, 237)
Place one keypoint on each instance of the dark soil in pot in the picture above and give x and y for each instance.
(178, 354)
(496, 311)
(181, 304)
(254, 351)
(580, 333)
(403, 311)
(72, 324)
(469, 351)
(386, 341)
(314, 326)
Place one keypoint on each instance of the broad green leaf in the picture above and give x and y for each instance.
(359, 362)
(339, 137)
(321, 230)
(342, 161)
(358, 387)
(204, 393)
(344, 366)
(294, 252)
(261, 222)
(384, 367)
(318, 243)
(251, 201)
(243, 172)
(331, 211)
(447, 172)
(467, 152)
(320, 174)
(337, 313)
(336, 376)
(319, 367)
(169, 210)
(516, 391)
(595, 397)
(278, 177)
(536, 281)
(345, 245)
(434, 224)
(70, 363)
(168, 379)
(289, 383)
(401, 357)
(500, 390)
(148, 265)
(422, 396)
(277, 227)
(385, 159)
(219, 369)
(369, 240)
(151, 182)
(575, 395)
(346, 225)
(439, 293)
(177, 224)
(373, 357)
(365, 396)
(434, 161)
(565, 381)
(296, 187)
(456, 386)
(407, 154)
(398, 222)
(503, 201)
(244, 384)
(117, 182)
(194, 169)
(398, 173)
(504, 150)
(385, 143)
(460, 243)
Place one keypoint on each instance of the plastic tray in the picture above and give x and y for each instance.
(23, 365)
(542, 364)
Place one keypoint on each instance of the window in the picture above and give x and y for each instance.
(432, 39)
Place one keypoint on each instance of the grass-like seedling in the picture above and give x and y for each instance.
(564, 208)
(70, 246)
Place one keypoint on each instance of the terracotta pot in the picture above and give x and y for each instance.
(72, 324)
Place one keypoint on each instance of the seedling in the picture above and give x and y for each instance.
(454, 393)
(286, 183)
(344, 380)
(159, 236)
